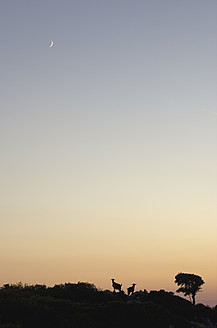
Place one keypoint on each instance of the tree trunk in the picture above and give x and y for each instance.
(193, 299)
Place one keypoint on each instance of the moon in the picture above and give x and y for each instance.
(51, 44)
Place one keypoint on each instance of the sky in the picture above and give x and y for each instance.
(108, 142)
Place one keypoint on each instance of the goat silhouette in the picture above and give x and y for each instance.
(130, 290)
(115, 285)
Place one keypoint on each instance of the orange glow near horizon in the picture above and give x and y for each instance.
(108, 143)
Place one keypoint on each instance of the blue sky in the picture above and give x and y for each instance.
(113, 125)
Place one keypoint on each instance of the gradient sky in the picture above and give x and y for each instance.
(108, 142)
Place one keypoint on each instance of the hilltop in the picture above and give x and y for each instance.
(83, 305)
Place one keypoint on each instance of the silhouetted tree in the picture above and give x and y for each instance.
(190, 284)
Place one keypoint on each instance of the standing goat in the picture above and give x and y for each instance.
(131, 289)
(115, 285)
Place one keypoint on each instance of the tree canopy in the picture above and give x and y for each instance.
(190, 284)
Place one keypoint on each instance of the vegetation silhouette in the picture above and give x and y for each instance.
(83, 305)
(190, 284)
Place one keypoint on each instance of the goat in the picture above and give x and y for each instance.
(131, 289)
(115, 285)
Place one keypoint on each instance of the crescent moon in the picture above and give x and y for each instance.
(51, 44)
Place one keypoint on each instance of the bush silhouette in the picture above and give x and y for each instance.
(82, 305)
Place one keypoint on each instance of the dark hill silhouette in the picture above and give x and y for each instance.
(81, 305)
